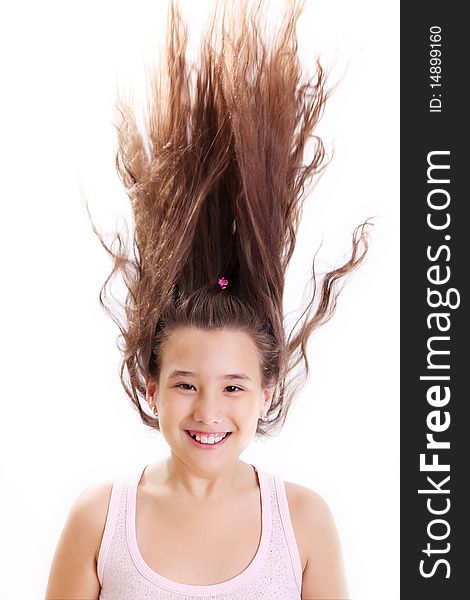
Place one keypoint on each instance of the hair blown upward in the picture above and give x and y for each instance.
(216, 182)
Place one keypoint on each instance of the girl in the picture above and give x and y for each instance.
(216, 182)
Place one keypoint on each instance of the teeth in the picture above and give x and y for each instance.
(207, 439)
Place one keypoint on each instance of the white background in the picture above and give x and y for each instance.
(65, 421)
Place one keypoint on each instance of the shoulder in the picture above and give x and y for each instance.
(87, 517)
(318, 542)
(89, 511)
(306, 503)
(311, 517)
(73, 569)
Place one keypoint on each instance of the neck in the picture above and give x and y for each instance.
(203, 483)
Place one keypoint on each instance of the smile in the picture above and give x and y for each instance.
(208, 440)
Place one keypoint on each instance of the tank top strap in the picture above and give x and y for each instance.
(116, 512)
(283, 519)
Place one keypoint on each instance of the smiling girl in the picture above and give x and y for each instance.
(216, 181)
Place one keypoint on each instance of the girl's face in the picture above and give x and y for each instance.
(209, 386)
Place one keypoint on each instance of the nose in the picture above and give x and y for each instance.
(208, 408)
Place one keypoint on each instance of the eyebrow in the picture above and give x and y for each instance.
(179, 373)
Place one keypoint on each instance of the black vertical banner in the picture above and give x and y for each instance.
(435, 238)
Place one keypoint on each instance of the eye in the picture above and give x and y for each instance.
(180, 384)
(234, 386)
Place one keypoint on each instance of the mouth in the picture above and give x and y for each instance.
(208, 440)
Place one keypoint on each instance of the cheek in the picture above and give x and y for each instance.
(173, 409)
(247, 410)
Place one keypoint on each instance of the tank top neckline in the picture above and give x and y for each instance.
(202, 590)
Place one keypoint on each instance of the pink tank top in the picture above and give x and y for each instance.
(274, 572)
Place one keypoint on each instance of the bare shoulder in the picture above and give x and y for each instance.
(73, 569)
(91, 507)
(95, 499)
(311, 518)
(305, 504)
(318, 542)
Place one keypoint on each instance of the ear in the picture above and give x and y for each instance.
(151, 388)
(267, 398)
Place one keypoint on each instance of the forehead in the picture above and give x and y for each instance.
(210, 351)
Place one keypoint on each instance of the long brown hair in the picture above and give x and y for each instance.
(217, 182)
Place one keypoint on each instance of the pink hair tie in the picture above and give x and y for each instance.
(223, 282)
